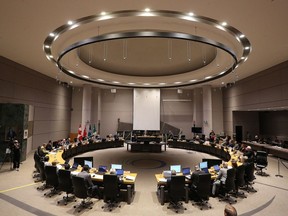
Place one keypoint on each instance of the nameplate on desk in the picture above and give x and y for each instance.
(97, 176)
(129, 177)
(162, 180)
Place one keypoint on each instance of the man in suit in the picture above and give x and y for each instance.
(195, 176)
(85, 174)
(221, 178)
(195, 181)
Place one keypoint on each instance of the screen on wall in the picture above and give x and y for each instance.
(146, 109)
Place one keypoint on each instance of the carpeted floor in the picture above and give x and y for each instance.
(19, 196)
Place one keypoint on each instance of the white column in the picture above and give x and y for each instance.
(86, 106)
(197, 108)
(207, 110)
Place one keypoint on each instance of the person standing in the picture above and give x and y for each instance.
(16, 155)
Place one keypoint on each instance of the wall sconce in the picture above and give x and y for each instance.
(113, 91)
(179, 91)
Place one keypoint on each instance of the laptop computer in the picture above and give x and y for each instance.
(102, 170)
(74, 166)
(119, 172)
(186, 172)
(216, 168)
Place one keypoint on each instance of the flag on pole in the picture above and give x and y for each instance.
(79, 136)
(94, 130)
(90, 131)
(84, 132)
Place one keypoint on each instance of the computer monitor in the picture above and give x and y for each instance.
(116, 166)
(81, 160)
(186, 171)
(212, 162)
(177, 168)
(119, 171)
(89, 163)
(203, 165)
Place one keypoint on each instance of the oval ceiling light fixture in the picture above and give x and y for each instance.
(160, 56)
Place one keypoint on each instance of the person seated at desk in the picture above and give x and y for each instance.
(85, 174)
(195, 176)
(249, 153)
(221, 178)
(195, 181)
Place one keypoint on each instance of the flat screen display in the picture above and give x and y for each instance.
(89, 163)
(177, 168)
(203, 165)
(116, 166)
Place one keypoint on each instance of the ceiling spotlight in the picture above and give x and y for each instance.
(191, 14)
(103, 13)
(52, 34)
(147, 9)
(224, 23)
(70, 22)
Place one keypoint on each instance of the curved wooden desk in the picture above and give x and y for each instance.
(218, 152)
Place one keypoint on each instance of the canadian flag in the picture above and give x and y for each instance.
(79, 136)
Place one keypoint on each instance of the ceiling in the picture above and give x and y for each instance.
(164, 60)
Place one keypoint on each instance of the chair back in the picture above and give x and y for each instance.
(203, 187)
(51, 176)
(65, 180)
(230, 180)
(240, 173)
(80, 188)
(111, 187)
(249, 172)
(177, 188)
(261, 158)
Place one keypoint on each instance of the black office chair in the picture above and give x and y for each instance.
(228, 188)
(65, 184)
(111, 192)
(51, 180)
(42, 176)
(81, 191)
(261, 163)
(177, 190)
(203, 190)
(249, 178)
(240, 181)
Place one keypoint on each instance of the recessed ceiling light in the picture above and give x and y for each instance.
(47, 46)
(222, 73)
(103, 13)
(146, 84)
(208, 77)
(147, 9)
(194, 80)
(242, 36)
(191, 14)
(131, 83)
(177, 82)
(115, 82)
(52, 34)
(162, 83)
(87, 77)
(101, 80)
(224, 23)
(223, 83)
(247, 48)
(70, 22)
